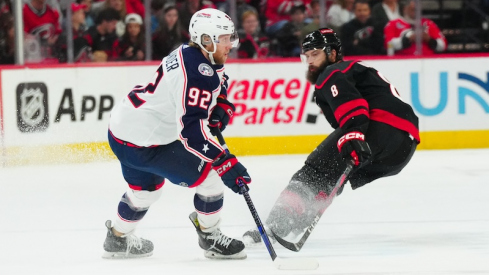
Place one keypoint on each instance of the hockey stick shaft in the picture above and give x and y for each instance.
(297, 246)
(251, 206)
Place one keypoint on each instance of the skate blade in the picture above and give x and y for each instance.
(214, 255)
(122, 255)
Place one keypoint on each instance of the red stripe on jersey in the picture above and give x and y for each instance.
(345, 70)
(352, 114)
(184, 140)
(191, 150)
(208, 213)
(203, 176)
(125, 219)
(210, 139)
(157, 186)
(395, 121)
(346, 107)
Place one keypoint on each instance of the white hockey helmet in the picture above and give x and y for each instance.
(208, 24)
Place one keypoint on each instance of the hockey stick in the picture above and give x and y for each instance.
(297, 246)
(289, 264)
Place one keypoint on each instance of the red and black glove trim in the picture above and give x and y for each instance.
(351, 137)
(231, 172)
(221, 115)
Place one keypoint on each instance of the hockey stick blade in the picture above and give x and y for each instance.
(296, 264)
(296, 247)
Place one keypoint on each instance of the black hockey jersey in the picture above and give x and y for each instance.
(351, 94)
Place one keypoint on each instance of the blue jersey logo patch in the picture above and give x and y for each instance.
(206, 70)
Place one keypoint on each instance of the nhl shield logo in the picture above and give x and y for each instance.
(32, 107)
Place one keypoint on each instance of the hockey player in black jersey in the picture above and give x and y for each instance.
(375, 131)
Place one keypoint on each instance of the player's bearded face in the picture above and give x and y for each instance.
(220, 57)
(313, 71)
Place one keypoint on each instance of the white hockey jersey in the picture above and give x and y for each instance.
(174, 105)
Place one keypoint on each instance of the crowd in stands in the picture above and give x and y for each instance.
(114, 30)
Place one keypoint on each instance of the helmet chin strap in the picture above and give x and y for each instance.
(211, 54)
(211, 57)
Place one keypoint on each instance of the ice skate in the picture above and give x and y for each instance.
(216, 244)
(127, 246)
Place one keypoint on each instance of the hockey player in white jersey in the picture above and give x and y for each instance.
(161, 131)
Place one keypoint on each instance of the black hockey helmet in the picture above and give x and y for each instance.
(323, 39)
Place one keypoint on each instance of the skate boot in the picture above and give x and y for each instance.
(253, 238)
(127, 246)
(216, 244)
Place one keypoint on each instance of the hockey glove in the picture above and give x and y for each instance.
(221, 115)
(354, 149)
(231, 171)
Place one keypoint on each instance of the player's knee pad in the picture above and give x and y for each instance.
(143, 198)
(135, 203)
(211, 186)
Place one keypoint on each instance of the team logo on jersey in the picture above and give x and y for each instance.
(206, 70)
(32, 107)
(44, 31)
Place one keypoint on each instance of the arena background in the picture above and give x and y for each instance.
(59, 113)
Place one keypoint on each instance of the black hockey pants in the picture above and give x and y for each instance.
(392, 150)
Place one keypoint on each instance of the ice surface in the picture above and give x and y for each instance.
(433, 218)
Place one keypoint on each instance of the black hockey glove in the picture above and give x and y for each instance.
(231, 171)
(220, 116)
(354, 149)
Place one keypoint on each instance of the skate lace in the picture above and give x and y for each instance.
(133, 241)
(220, 238)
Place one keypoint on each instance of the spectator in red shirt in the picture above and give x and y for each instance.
(399, 34)
(277, 13)
(41, 21)
(101, 37)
